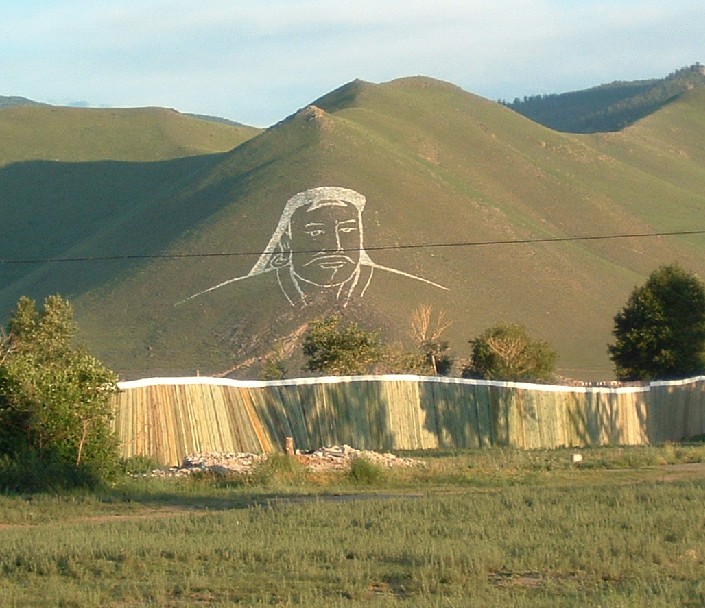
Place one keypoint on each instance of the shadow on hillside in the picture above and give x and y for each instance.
(97, 210)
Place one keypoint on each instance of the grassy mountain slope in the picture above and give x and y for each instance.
(62, 198)
(37, 132)
(608, 107)
(438, 166)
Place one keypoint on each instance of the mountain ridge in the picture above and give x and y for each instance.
(42, 132)
(608, 107)
(445, 173)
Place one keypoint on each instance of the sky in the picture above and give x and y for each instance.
(258, 61)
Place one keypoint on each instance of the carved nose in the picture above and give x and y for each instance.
(329, 242)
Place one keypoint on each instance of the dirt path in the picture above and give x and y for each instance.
(678, 472)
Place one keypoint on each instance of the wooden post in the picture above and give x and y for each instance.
(289, 446)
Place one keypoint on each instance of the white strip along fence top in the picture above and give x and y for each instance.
(170, 418)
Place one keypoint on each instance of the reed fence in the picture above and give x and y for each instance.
(170, 418)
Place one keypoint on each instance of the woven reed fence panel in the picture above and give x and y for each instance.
(172, 418)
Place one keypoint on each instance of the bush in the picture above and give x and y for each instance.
(365, 472)
(334, 347)
(507, 352)
(273, 368)
(28, 471)
(278, 469)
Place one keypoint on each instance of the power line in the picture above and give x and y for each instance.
(178, 256)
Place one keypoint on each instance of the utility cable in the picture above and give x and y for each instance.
(530, 241)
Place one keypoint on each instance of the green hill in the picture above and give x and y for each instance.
(608, 107)
(41, 132)
(88, 182)
(445, 174)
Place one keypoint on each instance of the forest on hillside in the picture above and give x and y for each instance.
(608, 107)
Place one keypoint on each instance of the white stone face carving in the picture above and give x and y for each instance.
(317, 246)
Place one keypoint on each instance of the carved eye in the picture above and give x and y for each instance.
(314, 233)
(347, 229)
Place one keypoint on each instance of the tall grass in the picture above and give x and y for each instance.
(633, 545)
(600, 540)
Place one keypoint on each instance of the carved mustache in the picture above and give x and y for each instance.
(333, 259)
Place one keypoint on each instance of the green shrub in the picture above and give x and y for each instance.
(333, 346)
(27, 471)
(506, 351)
(365, 472)
(278, 469)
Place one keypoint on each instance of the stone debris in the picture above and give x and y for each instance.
(340, 457)
(213, 462)
(323, 459)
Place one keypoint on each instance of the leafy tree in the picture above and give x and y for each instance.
(660, 332)
(335, 347)
(507, 352)
(54, 397)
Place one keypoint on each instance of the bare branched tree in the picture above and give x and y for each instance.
(428, 334)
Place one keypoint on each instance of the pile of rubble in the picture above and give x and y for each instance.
(323, 459)
(340, 457)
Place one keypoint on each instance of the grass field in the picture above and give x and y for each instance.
(626, 527)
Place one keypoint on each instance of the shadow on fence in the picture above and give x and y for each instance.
(170, 418)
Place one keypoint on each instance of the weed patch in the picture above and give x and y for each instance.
(513, 531)
(365, 472)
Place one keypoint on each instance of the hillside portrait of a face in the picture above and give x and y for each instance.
(317, 250)
(325, 242)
